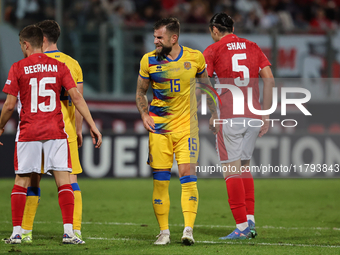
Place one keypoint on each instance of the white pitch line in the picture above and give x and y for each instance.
(181, 225)
(227, 242)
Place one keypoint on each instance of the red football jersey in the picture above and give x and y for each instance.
(236, 61)
(36, 81)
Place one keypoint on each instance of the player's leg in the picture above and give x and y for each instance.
(160, 159)
(247, 151)
(186, 149)
(229, 147)
(58, 161)
(248, 183)
(27, 159)
(32, 202)
(78, 203)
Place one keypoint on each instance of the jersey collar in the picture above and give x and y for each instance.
(51, 51)
(178, 57)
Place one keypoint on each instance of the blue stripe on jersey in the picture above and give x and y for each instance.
(201, 72)
(188, 178)
(162, 175)
(161, 94)
(159, 128)
(154, 61)
(158, 77)
(33, 191)
(159, 111)
(146, 78)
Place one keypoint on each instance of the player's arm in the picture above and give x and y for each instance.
(79, 119)
(7, 111)
(210, 102)
(80, 104)
(268, 84)
(142, 103)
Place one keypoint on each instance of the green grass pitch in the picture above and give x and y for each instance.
(293, 216)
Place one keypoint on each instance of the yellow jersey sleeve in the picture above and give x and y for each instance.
(79, 73)
(200, 63)
(144, 67)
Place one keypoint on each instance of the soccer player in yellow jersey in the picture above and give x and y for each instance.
(73, 127)
(172, 122)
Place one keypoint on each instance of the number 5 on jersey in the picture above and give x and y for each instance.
(43, 92)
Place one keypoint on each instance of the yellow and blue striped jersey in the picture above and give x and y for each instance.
(174, 106)
(67, 107)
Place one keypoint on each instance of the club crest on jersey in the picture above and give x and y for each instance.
(187, 65)
(159, 68)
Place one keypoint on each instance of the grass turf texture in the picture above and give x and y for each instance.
(292, 217)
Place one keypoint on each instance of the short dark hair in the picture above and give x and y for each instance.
(51, 30)
(223, 22)
(33, 35)
(171, 24)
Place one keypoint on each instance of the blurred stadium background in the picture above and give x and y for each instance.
(108, 38)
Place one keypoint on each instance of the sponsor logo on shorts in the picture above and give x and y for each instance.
(159, 201)
(192, 198)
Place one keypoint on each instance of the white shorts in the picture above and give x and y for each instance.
(237, 141)
(28, 156)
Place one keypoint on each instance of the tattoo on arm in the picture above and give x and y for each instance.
(141, 98)
(204, 78)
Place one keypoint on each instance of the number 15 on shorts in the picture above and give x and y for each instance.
(192, 144)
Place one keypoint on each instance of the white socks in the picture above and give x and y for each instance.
(242, 226)
(251, 217)
(167, 232)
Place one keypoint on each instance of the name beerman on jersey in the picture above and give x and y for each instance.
(39, 68)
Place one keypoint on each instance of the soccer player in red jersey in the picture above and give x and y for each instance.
(36, 82)
(238, 62)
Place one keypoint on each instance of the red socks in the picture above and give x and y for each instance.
(248, 183)
(236, 199)
(66, 203)
(18, 201)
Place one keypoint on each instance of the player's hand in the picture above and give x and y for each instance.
(80, 139)
(265, 127)
(211, 125)
(148, 122)
(2, 130)
(95, 134)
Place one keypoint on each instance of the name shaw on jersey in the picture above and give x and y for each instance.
(40, 68)
(236, 46)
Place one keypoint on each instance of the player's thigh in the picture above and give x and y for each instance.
(229, 141)
(160, 151)
(186, 147)
(249, 141)
(27, 157)
(57, 155)
(76, 167)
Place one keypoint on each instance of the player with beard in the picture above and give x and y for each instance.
(172, 122)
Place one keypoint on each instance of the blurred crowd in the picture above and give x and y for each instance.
(249, 15)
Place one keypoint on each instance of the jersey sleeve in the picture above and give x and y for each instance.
(200, 63)
(263, 60)
(209, 59)
(66, 78)
(144, 67)
(12, 85)
(79, 71)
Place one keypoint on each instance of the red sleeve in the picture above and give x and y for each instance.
(209, 60)
(66, 78)
(11, 85)
(263, 60)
